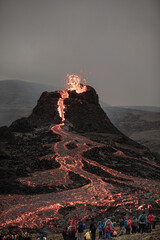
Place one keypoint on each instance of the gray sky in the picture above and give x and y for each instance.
(116, 40)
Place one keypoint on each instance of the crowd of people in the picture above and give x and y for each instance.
(15, 235)
(108, 227)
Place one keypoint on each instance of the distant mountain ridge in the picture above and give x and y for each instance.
(21, 92)
(18, 98)
(142, 108)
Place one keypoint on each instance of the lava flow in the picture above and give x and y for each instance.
(90, 196)
(61, 106)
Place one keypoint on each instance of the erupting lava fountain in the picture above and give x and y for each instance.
(74, 84)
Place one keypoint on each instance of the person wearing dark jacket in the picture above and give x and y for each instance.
(80, 230)
(142, 220)
(134, 225)
(65, 234)
(93, 229)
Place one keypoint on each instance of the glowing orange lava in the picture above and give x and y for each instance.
(61, 106)
(74, 84)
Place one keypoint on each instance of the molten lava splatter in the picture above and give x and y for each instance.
(74, 84)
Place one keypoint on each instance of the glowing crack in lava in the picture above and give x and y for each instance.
(99, 193)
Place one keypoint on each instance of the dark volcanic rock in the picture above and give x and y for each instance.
(130, 166)
(78, 179)
(6, 135)
(46, 112)
(66, 210)
(71, 145)
(3, 153)
(85, 113)
(23, 158)
(22, 125)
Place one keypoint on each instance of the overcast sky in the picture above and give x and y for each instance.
(116, 40)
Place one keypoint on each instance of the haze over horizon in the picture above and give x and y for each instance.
(117, 41)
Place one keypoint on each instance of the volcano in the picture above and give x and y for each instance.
(81, 109)
(68, 161)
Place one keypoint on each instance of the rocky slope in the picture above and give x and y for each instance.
(141, 126)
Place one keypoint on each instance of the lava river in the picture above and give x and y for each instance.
(34, 211)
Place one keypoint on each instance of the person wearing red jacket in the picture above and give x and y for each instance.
(150, 220)
(108, 230)
(72, 230)
(128, 227)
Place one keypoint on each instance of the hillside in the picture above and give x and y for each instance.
(141, 126)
